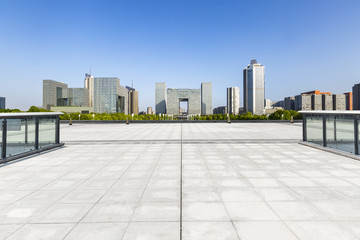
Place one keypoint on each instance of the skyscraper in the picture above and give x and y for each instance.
(2, 103)
(206, 98)
(133, 101)
(254, 87)
(89, 85)
(55, 94)
(160, 97)
(233, 100)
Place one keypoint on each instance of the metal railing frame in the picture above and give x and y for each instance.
(26, 117)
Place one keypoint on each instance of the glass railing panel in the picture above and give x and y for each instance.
(1, 134)
(17, 139)
(330, 131)
(344, 133)
(314, 129)
(47, 130)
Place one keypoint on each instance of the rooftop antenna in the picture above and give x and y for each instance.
(132, 83)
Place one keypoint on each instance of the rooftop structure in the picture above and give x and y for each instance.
(203, 181)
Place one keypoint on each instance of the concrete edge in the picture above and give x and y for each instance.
(331, 150)
(173, 121)
(30, 153)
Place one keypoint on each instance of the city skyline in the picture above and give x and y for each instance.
(181, 43)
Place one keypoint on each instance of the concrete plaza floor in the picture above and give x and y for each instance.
(209, 181)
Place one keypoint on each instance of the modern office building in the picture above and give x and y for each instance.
(356, 96)
(206, 98)
(55, 94)
(289, 103)
(100, 94)
(220, 110)
(167, 100)
(89, 85)
(160, 98)
(133, 101)
(2, 103)
(110, 96)
(348, 101)
(254, 87)
(233, 100)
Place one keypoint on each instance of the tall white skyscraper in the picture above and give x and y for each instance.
(89, 85)
(254, 88)
(233, 100)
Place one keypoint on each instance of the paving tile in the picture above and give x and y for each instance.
(263, 230)
(152, 231)
(324, 230)
(97, 231)
(297, 211)
(239, 211)
(204, 211)
(8, 229)
(63, 213)
(110, 212)
(209, 231)
(165, 211)
(42, 232)
(340, 210)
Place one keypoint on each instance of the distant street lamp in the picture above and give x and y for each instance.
(79, 117)
(282, 116)
(93, 116)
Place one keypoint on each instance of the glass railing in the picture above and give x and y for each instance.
(333, 129)
(22, 134)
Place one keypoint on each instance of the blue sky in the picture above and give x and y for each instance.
(304, 45)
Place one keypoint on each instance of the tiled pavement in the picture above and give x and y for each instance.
(121, 182)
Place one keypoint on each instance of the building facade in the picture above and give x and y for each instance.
(220, 110)
(149, 110)
(327, 102)
(2, 103)
(54, 94)
(167, 100)
(356, 96)
(289, 103)
(89, 85)
(303, 102)
(206, 98)
(110, 96)
(133, 101)
(348, 101)
(160, 98)
(339, 102)
(254, 88)
(233, 100)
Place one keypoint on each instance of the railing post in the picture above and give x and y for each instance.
(356, 135)
(304, 128)
(26, 130)
(324, 131)
(4, 136)
(57, 130)
(36, 133)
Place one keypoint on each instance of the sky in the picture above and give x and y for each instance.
(304, 45)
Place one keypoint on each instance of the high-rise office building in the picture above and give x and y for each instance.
(89, 85)
(254, 87)
(233, 100)
(2, 102)
(133, 101)
(348, 101)
(110, 96)
(356, 96)
(160, 98)
(206, 98)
